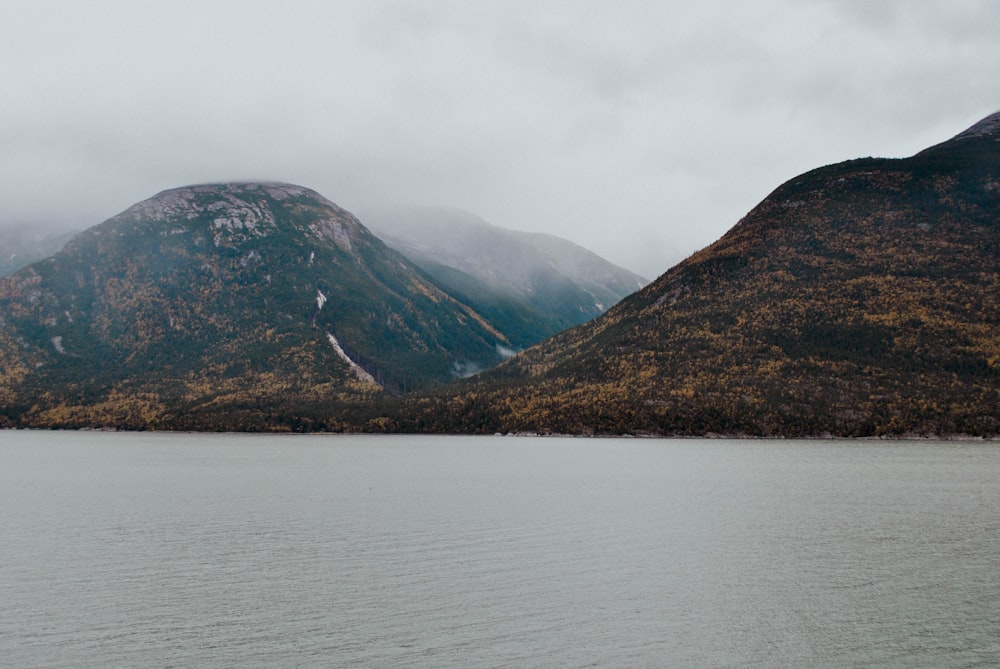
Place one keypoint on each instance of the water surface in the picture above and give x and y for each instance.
(161, 550)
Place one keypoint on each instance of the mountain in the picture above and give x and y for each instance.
(23, 245)
(226, 306)
(530, 285)
(858, 299)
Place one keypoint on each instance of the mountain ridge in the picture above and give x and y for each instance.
(857, 299)
(541, 282)
(215, 306)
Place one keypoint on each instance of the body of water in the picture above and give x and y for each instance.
(179, 550)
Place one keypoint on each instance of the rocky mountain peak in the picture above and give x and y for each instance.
(240, 210)
(220, 305)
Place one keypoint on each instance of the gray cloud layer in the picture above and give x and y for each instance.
(640, 129)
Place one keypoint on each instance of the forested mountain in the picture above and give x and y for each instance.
(861, 298)
(531, 285)
(226, 306)
(858, 299)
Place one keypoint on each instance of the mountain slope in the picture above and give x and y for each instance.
(531, 285)
(225, 306)
(861, 298)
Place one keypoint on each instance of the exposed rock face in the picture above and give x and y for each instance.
(215, 307)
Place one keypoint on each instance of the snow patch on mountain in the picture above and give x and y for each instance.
(358, 370)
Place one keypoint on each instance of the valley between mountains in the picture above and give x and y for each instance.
(858, 299)
(249, 306)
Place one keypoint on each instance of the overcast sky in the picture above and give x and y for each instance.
(642, 130)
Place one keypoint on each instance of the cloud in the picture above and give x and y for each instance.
(641, 130)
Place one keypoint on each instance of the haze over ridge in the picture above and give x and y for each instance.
(640, 130)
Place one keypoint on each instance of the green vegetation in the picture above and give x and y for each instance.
(212, 307)
(529, 285)
(859, 299)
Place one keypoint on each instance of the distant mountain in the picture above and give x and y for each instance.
(22, 245)
(226, 306)
(530, 285)
(858, 299)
